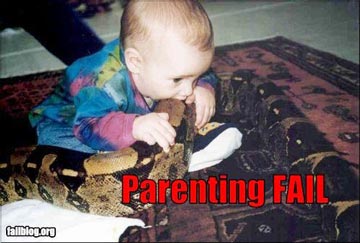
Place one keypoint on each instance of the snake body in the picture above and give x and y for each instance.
(92, 183)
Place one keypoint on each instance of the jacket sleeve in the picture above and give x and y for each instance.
(208, 80)
(98, 121)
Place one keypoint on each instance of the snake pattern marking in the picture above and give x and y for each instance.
(91, 183)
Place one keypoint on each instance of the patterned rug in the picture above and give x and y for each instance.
(324, 87)
(278, 91)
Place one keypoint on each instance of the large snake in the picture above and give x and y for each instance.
(92, 183)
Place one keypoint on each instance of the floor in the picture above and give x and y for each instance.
(328, 25)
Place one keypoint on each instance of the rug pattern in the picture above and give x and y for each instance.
(279, 92)
(324, 87)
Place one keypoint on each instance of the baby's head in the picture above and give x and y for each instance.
(167, 45)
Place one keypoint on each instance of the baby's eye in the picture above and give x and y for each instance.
(177, 80)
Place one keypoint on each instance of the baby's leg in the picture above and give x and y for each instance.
(60, 135)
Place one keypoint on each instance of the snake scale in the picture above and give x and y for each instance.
(92, 183)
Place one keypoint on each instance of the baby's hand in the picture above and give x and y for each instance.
(154, 128)
(204, 103)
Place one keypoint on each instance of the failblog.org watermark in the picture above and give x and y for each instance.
(21, 231)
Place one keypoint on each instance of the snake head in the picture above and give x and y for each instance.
(182, 117)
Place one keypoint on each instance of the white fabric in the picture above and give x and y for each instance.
(71, 226)
(219, 149)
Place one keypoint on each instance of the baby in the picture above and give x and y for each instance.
(105, 100)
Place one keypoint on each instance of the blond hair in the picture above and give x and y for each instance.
(187, 17)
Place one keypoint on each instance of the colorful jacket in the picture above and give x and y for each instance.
(98, 98)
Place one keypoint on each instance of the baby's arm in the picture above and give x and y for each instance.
(208, 80)
(100, 125)
(204, 98)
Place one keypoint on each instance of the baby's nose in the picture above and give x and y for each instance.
(188, 89)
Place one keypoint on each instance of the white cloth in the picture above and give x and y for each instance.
(70, 226)
(217, 150)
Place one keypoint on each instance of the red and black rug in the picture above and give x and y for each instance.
(316, 95)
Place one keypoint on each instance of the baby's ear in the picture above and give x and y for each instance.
(133, 60)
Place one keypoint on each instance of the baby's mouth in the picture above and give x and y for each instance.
(181, 98)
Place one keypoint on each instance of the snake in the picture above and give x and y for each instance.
(92, 183)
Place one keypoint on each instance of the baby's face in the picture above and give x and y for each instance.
(171, 68)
